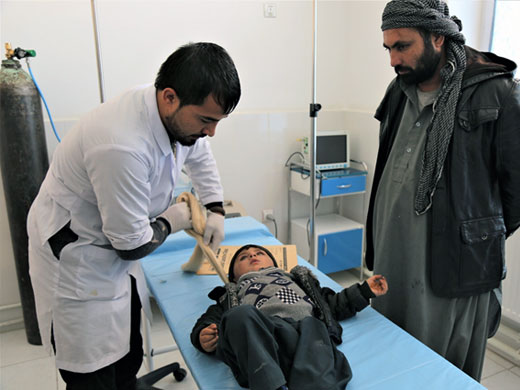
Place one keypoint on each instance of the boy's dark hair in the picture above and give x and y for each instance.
(197, 70)
(231, 272)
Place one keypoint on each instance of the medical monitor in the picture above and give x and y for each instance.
(332, 150)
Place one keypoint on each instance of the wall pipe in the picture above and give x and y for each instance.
(101, 81)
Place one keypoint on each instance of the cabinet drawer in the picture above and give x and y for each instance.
(340, 251)
(343, 185)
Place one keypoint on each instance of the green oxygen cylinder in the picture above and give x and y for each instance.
(24, 163)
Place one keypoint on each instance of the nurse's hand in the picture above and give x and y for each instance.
(208, 338)
(178, 216)
(214, 232)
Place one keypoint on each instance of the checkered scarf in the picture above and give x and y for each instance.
(433, 16)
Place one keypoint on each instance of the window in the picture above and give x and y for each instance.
(506, 30)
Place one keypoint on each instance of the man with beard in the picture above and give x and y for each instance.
(107, 201)
(446, 190)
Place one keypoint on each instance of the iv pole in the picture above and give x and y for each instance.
(314, 108)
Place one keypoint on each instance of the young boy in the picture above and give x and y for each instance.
(279, 330)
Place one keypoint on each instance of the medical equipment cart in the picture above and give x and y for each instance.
(339, 239)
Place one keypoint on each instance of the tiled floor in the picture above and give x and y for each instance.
(24, 366)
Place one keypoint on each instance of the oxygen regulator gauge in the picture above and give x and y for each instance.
(18, 52)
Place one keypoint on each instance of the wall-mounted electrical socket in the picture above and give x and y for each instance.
(265, 213)
(269, 10)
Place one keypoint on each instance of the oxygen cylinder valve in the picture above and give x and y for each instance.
(18, 52)
(22, 53)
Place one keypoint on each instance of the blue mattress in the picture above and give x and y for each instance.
(382, 355)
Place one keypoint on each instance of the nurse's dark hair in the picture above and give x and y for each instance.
(197, 70)
(231, 271)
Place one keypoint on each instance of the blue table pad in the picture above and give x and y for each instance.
(382, 355)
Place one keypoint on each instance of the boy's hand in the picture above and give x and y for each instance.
(208, 338)
(378, 285)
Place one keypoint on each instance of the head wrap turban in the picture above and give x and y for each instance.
(433, 16)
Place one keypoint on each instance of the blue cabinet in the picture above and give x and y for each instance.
(341, 250)
(339, 240)
(344, 185)
(330, 183)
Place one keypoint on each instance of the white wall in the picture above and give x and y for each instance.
(476, 17)
(273, 58)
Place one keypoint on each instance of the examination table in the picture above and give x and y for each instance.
(382, 355)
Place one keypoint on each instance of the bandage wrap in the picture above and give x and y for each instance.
(433, 16)
(201, 251)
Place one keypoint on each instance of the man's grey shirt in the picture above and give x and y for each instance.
(402, 247)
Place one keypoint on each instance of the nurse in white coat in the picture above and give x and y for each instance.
(107, 201)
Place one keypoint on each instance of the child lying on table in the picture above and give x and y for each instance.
(279, 330)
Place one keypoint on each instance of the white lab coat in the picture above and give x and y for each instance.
(110, 177)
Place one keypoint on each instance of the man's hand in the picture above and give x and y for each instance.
(214, 232)
(178, 216)
(208, 338)
(378, 285)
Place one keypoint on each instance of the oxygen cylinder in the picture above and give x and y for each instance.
(24, 163)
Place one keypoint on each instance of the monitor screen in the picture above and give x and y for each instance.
(331, 149)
